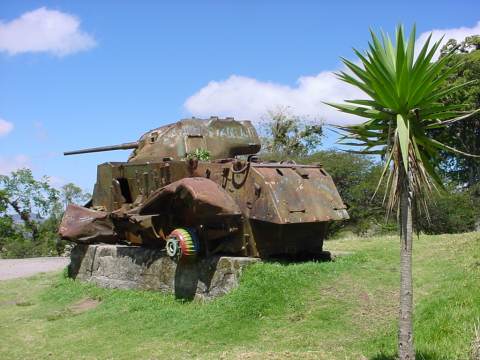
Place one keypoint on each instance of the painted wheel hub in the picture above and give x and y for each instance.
(182, 242)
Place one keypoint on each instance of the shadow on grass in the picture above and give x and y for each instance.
(419, 355)
(324, 256)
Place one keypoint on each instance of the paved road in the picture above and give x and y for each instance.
(17, 268)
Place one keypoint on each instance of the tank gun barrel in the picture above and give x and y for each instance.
(125, 146)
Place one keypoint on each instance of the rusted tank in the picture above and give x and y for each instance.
(196, 188)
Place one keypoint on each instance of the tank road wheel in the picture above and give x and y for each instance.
(182, 243)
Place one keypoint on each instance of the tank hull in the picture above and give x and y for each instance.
(237, 207)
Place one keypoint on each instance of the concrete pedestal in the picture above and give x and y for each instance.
(133, 267)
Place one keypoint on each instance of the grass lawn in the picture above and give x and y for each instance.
(345, 309)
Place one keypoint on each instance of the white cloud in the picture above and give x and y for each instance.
(248, 98)
(9, 164)
(5, 127)
(458, 34)
(44, 30)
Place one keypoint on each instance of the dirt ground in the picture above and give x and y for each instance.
(17, 268)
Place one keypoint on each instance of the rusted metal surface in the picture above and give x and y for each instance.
(236, 206)
(126, 146)
(224, 138)
(84, 225)
(296, 195)
(203, 198)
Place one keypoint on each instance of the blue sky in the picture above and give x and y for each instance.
(77, 74)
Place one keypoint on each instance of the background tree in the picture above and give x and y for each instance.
(463, 135)
(470, 44)
(288, 135)
(7, 228)
(30, 212)
(402, 108)
(30, 199)
(455, 212)
(72, 194)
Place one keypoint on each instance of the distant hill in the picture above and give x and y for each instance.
(18, 220)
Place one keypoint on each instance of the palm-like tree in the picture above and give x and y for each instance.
(403, 108)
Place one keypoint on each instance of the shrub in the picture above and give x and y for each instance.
(450, 213)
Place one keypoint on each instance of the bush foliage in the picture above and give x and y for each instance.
(30, 213)
(450, 213)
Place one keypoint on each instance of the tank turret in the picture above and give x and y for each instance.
(222, 138)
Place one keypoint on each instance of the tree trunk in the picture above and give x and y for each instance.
(405, 330)
(25, 216)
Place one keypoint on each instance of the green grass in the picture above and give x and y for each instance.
(339, 310)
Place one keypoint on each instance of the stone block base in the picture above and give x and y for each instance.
(134, 267)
